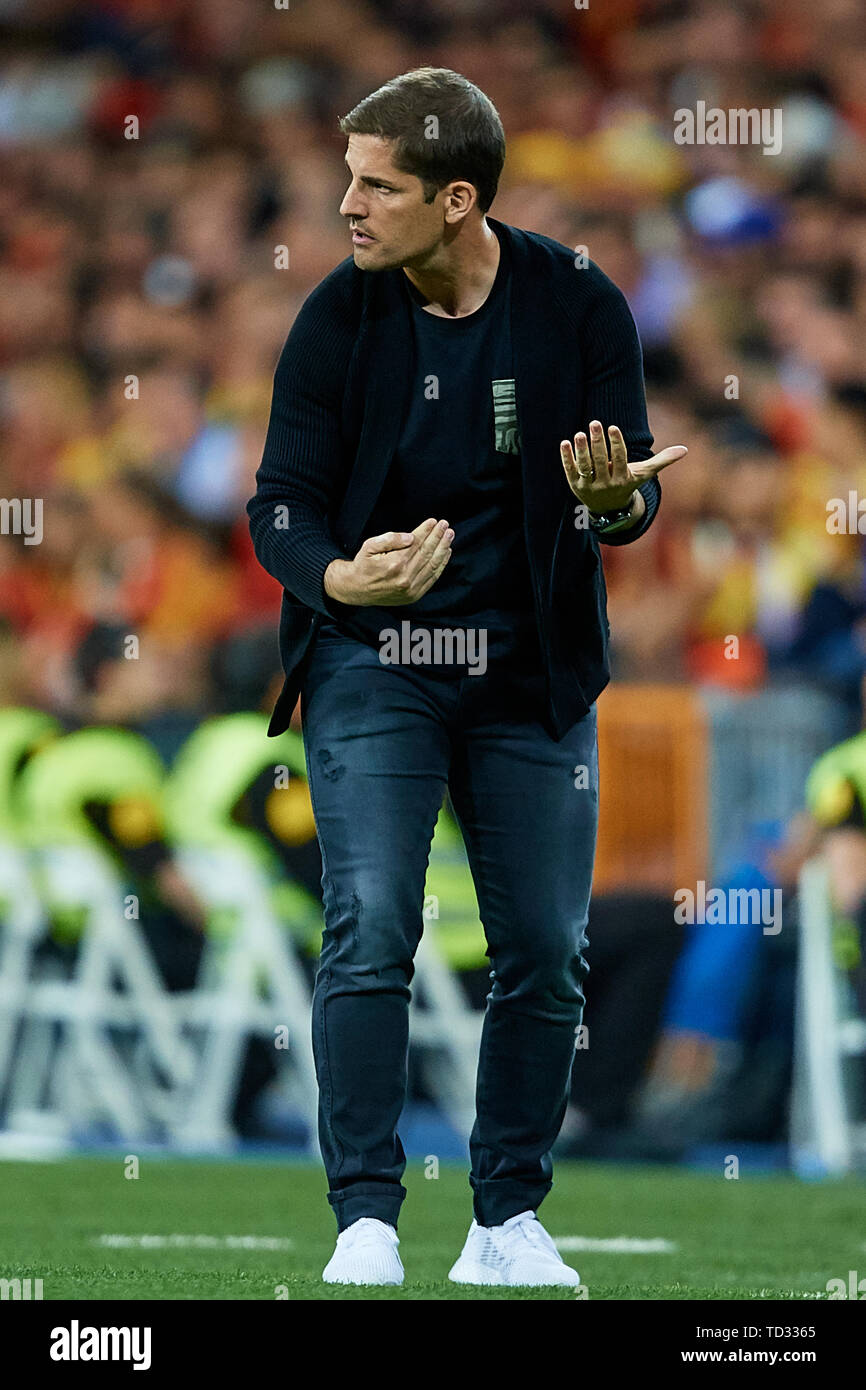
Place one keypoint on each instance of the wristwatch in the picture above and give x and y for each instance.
(616, 520)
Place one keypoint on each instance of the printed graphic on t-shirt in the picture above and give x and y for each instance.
(505, 417)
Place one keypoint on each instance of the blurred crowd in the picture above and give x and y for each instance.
(150, 269)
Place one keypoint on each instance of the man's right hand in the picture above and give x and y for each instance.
(393, 569)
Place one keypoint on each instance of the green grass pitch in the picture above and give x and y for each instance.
(746, 1238)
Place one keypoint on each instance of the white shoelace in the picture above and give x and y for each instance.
(366, 1231)
(530, 1230)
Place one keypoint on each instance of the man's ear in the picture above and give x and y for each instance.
(460, 199)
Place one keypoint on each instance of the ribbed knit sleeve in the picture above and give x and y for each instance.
(614, 389)
(302, 465)
(652, 495)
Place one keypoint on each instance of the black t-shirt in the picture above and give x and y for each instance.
(458, 458)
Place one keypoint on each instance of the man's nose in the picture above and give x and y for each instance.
(352, 204)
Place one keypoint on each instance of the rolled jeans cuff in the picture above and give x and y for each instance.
(496, 1200)
(380, 1200)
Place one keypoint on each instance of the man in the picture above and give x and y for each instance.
(444, 622)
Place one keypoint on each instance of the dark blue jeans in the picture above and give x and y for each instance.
(382, 743)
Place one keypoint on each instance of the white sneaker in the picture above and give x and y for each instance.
(366, 1253)
(518, 1252)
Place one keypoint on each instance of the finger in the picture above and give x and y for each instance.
(443, 560)
(389, 540)
(585, 465)
(618, 455)
(577, 461)
(429, 580)
(426, 577)
(425, 528)
(442, 554)
(431, 540)
(598, 449)
(566, 453)
(650, 467)
(570, 466)
(430, 549)
(435, 558)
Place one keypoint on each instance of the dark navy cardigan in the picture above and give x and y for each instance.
(339, 399)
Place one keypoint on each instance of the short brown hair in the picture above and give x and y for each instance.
(466, 142)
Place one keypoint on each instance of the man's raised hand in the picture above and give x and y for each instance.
(603, 484)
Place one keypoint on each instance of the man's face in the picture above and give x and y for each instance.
(393, 226)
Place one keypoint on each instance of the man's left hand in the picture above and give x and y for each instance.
(604, 484)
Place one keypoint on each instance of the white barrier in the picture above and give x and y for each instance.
(826, 1136)
(77, 1052)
